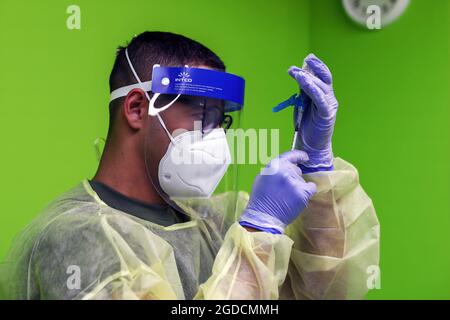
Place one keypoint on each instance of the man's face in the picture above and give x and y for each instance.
(187, 113)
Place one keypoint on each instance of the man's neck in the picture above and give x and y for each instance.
(127, 174)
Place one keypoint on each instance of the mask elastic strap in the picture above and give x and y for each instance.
(152, 99)
(123, 91)
(161, 122)
(135, 74)
(152, 111)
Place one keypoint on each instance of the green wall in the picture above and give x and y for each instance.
(394, 126)
(392, 85)
(54, 81)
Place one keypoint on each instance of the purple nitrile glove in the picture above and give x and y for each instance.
(317, 124)
(279, 194)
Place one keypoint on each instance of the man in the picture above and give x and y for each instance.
(148, 227)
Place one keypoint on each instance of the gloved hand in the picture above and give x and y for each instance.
(279, 194)
(317, 124)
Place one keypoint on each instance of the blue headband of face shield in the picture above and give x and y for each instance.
(189, 81)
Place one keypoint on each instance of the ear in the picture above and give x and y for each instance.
(135, 108)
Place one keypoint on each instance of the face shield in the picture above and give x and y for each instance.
(188, 148)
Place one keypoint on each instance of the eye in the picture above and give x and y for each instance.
(192, 101)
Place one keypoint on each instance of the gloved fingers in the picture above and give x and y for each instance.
(293, 70)
(309, 84)
(311, 188)
(319, 68)
(292, 159)
(295, 156)
(298, 172)
(294, 172)
(326, 88)
(294, 73)
(286, 164)
(306, 100)
(305, 187)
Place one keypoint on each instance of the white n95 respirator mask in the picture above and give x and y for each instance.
(194, 164)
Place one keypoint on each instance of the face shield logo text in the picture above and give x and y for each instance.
(183, 77)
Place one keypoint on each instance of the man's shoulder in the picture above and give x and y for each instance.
(79, 195)
(60, 218)
(55, 230)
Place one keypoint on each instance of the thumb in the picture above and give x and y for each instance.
(295, 156)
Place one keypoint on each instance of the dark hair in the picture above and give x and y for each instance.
(164, 48)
